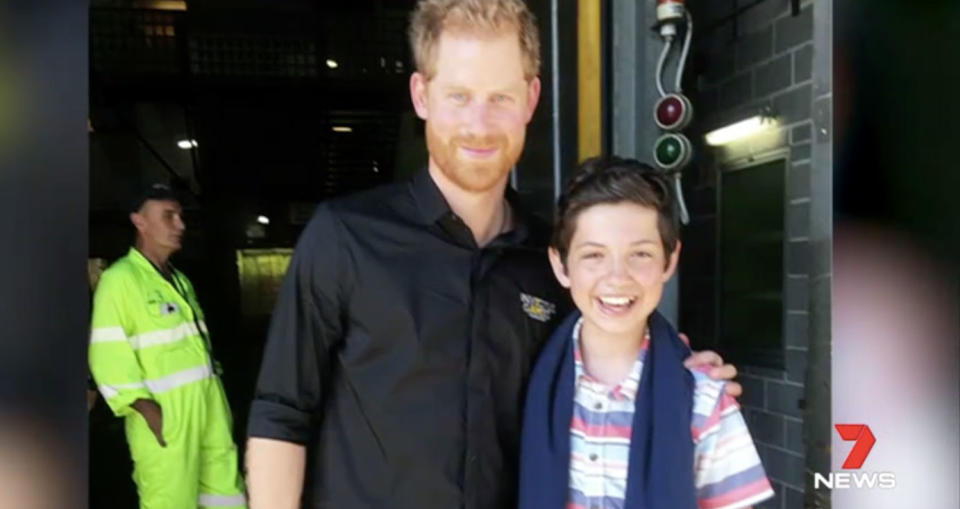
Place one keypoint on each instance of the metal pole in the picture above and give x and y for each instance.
(555, 85)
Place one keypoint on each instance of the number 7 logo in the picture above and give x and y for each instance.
(864, 438)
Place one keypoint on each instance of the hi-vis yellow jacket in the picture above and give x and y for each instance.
(147, 334)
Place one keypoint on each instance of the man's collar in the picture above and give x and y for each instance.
(430, 201)
(521, 217)
(141, 259)
(433, 207)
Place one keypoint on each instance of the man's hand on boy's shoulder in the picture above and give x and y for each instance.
(718, 370)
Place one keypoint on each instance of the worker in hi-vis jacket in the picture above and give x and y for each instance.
(150, 357)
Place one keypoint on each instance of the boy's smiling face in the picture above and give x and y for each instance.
(616, 267)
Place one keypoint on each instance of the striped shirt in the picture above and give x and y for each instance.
(728, 472)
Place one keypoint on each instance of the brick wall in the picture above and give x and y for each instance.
(762, 56)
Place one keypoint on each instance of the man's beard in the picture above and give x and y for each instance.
(473, 175)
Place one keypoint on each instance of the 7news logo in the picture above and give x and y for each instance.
(864, 441)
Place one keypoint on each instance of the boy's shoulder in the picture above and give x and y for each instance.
(710, 401)
(706, 388)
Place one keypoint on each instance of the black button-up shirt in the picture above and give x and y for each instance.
(399, 352)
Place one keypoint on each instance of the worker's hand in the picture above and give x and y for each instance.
(91, 399)
(718, 370)
(153, 414)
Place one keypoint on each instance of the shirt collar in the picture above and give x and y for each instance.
(627, 388)
(430, 201)
(433, 207)
(139, 259)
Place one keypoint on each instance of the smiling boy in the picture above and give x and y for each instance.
(613, 419)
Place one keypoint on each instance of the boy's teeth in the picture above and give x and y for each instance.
(615, 301)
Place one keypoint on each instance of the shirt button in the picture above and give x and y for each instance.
(593, 457)
(598, 406)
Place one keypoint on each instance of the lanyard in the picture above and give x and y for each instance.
(196, 321)
(175, 283)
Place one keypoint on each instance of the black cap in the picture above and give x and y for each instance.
(154, 192)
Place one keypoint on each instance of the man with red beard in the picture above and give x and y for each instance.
(399, 350)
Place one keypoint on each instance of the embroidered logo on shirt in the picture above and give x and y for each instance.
(537, 308)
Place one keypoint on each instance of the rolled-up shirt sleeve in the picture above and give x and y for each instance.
(305, 327)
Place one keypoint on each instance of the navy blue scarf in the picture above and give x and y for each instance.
(661, 445)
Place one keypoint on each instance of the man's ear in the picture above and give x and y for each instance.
(418, 94)
(672, 263)
(139, 222)
(533, 96)
(559, 270)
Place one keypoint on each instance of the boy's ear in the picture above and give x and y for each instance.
(559, 270)
(672, 263)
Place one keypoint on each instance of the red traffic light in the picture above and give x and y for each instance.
(670, 110)
(673, 112)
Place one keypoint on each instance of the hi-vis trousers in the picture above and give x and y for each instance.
(198, 467)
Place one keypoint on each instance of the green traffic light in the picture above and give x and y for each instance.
(669, 150)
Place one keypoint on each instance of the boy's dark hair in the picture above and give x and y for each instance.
(608, 180)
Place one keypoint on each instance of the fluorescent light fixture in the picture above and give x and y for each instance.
(740, 130)
(342, 129)
(161, 5)
(263, 219)
(331, 63)
(187, 144)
